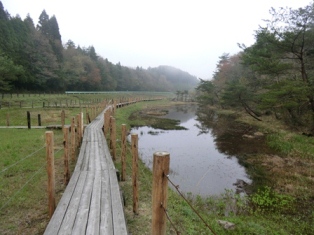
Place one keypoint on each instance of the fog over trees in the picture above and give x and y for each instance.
(34, 58)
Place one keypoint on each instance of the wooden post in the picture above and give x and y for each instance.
(114, 106)
(8, 119)
(134, 144)
(78, 131)
(160, 191)
(107, 121)
(113, 137)
(82, 126)
(28, 120)
(66, 156)
(88, 118)
(51, 172)
(123, 152)
(39, 120)
(62, 118)
(73, 147)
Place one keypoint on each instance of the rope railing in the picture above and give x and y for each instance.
(18, 191)
(169, 219)
(32, 176)
(28, 156)
(190, 205)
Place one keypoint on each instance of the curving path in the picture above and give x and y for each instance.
(91, 203)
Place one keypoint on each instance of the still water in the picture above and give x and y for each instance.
(196, 165)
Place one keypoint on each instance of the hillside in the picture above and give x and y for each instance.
(34, 58)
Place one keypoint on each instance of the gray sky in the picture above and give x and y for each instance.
(189, 35)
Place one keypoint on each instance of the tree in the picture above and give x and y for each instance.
(284, 54)
(43, 23)
(9, 72)
(50, 29)
(206, 93)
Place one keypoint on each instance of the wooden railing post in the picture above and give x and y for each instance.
(78, 131)
(94, 112)
(62, 118)
(161, 163)
(114, 106)
(81, 127)
(39, 119)
(134, 146)
(51, 172)
(66, 156)
(123, 152)
(28, 120)
(113, 137)
(73, 146)
(107, 121)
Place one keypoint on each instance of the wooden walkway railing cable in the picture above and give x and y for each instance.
(28, 156)
(27, 182)
(196, 212)
(168, 217)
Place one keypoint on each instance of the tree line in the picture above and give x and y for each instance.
(33, 58)
(274, 76)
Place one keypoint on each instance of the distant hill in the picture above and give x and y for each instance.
(178, 79)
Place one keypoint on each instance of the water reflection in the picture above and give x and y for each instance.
(196, 163)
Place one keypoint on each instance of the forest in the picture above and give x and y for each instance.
(34, 58)
(274, 76)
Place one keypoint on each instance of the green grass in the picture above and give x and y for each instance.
(292, 144)
(23, 180)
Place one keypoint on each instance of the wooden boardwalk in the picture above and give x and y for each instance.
(91, 203)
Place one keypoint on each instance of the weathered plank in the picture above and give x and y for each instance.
(58, 216)
(93, 224)
(106, 223)
(69, 218)
(117, 207)
(84, 206)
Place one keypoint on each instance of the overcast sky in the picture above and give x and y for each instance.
(189, 35)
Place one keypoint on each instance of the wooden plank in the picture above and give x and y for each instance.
(102, 155)
(63, 205)
(83, 210)
(85, 148)
(119, 223)
(90, 159)
(93, 224)
(70, 215)
(97, 159)
(88, 152)
(106, 226)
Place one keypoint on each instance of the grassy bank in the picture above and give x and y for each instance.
(267, 211)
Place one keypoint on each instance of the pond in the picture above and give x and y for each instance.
(196, 163)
